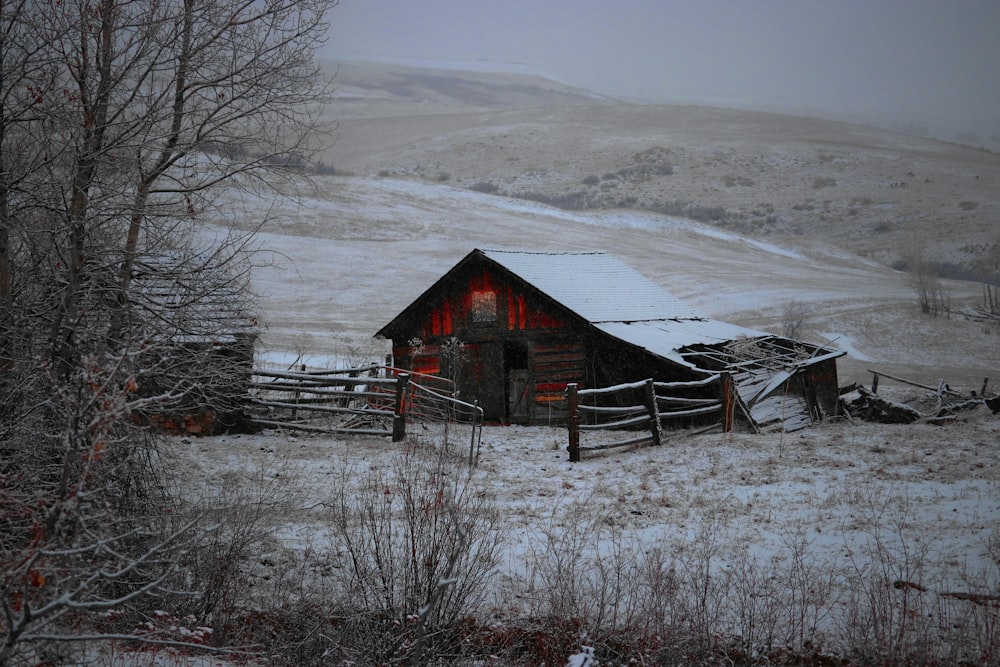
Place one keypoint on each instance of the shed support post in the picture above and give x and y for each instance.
(728, 402)
(573, 422)
(874, 382)
(986, 385)
(654, 413)
(399, 413)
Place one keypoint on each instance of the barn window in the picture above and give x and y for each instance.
(484, 307)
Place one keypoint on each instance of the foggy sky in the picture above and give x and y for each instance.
(915, 58)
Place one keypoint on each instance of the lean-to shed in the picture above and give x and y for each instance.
(514, 328)
(198, 329)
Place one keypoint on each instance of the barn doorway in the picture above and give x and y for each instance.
(518, 384)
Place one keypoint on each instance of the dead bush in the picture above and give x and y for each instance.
(418, 545)
(893, 613)
(794, 317)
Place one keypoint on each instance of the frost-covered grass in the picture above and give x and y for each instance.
(839, 540)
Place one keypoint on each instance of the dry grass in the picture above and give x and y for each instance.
(836, 543)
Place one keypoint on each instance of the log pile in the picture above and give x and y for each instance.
(943, 405)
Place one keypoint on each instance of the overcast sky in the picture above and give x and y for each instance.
(939, 57)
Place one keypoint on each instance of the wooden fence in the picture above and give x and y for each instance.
(642, 410)
(371, 400)
(345, 400)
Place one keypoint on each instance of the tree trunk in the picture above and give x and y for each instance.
(95, 113)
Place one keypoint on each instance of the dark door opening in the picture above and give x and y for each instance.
(518, 382)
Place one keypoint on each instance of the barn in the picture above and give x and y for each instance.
(512, 329)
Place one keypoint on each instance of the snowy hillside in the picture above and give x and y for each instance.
(335, 271)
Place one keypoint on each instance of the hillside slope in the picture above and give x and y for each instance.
(407, 204)
(794, 179)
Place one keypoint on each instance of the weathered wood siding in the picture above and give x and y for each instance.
(501, 344)
(554, 365)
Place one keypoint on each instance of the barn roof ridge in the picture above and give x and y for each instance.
(541, 252)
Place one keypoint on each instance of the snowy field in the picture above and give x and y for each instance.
(908, 510)
(825, 521)
(834, 486)
(849, 504)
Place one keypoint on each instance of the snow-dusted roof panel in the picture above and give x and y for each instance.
(595, 285)
(665, 338)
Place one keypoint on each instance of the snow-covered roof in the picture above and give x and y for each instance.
(595, 285)
(191, 300)
(665, 338)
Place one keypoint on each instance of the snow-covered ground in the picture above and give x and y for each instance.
(929, 496)
(333, 271)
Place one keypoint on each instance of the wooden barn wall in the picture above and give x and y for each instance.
(614, 363)
(514, 351)
(459, 310)
(554, 364)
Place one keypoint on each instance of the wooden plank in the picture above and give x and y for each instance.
(321, 408)
(692, 412)
(611, 410)
(324, 381)
(608, 426)
(688, 383)
(676, 400)
(910, 382)
(319, 429)
(641, 440)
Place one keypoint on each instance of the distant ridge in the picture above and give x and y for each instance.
(464, 84)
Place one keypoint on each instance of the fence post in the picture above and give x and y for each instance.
(654, 413)
(399, 415)
(573, 423)
(296, 395)
(473, 460)
(728, 402)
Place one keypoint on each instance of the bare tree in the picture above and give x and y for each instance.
(122, 123)
(793, 319)
(987, 266)
(926, 284)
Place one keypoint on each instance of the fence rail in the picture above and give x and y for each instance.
(320, 400)
(371, 400)
(641, 410)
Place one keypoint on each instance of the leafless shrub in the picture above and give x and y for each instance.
(587, 579)
(579, 200)
(239, 520)
(794, 317)
(821, 182)
(733, 181)
(87, 526)
(924, 280)
(486, 187)
(892, 612)
(419, 532)
(685, 209)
